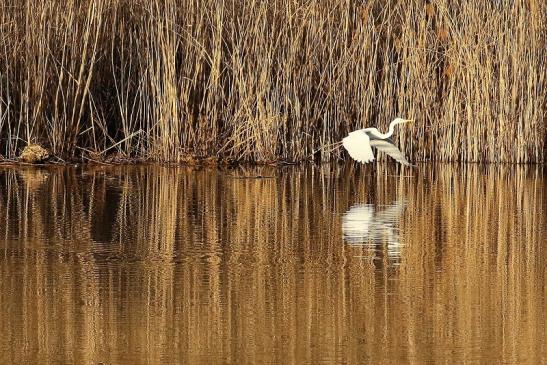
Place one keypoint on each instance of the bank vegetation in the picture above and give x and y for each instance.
(267, 81)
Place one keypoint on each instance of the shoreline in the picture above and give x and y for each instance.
(214, 162)
(209, 161)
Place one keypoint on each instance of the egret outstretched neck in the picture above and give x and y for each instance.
(390, 131)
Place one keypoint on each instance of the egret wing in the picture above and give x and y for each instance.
(358, 146)
(387, 146)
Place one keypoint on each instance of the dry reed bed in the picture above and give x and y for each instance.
(272, 80)
(262, 256)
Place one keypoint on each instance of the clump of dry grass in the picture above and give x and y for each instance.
(269, 81)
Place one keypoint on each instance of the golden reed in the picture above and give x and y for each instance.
(266, 81)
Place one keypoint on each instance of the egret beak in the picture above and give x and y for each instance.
(409, 120)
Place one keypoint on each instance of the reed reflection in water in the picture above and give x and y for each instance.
(180, 265)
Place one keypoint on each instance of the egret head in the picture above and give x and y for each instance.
(401, 120)
(395, 122)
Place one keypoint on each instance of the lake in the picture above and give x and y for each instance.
(337, 263)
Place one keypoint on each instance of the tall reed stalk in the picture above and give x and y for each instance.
(279, 80)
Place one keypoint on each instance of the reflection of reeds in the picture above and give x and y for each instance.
(201, 265)
(269, 80)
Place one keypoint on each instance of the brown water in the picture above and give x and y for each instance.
(307, 265)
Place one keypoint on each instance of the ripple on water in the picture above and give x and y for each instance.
(315, 264)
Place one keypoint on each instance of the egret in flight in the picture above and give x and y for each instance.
(360, 142)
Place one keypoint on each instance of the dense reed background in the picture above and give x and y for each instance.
(147, 265)
(272, 80)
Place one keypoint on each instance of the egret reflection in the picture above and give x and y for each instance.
(371, 225)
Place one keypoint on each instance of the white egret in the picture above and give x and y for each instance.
(360, 142)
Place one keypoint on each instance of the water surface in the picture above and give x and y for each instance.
(304, 265)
